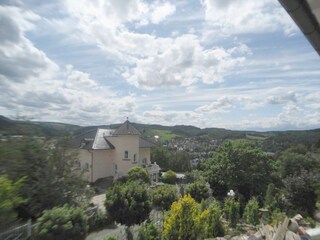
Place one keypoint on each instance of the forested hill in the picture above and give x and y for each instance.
(272, 140)
(31, 128)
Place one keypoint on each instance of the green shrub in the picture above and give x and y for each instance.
(149, 232)
(213, 226)
(62, 223)
(277, 217)
(232, 211)
(251, 212)
(138, 174)
(10, 198)
(169, 177)
(110, 238)
(198, 190)
(98, 221)
(129, 203)
(164, 196)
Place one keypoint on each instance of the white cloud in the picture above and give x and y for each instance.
(19, 59)
(31, 83)
(223, 104)
(183, 63)
(282, 98)
(247, 16)
(153, 61)
(161, 11)
(312, 100)
(78, 79)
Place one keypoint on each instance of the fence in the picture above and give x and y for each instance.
(18, 232)
(23, 231)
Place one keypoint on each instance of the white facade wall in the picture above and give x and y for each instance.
(124, 143)
(85, 163)
(102, 163)
(144, 153)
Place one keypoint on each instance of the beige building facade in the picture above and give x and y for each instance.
(111, 153)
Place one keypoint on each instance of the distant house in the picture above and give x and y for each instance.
(112, 152)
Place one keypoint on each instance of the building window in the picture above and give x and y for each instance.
(144, 161)
(126, 154)
(86, 167)
(115, 168)
(134, 158)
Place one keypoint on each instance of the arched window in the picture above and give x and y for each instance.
(126, 154)
(134, 157)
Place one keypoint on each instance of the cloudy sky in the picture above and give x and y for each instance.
(237, 64)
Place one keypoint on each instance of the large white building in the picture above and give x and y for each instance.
(111, 153)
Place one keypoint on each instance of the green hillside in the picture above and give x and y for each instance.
(269, 141)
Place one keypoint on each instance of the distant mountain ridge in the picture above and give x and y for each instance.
(269, 139)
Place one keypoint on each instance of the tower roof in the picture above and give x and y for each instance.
(126, 129)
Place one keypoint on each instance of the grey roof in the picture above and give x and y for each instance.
(126, 129)
(95, 139)
(101, 141)
(84, 140)
(145, 143)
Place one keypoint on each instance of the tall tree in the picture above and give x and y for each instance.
(52, 178)
(241, 167)
(128, 203)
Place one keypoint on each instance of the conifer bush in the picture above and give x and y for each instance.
(184, 220)
(232, 211)
(251, 212)
(214, 226)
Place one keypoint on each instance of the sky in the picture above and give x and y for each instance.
(235, 64)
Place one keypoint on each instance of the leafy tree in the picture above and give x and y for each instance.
(198, 190)
(213, 225)
(239, 166)
(62, 223)
(251, 212)
(169, 177)
(149, 232)
(161, 156)
(194, 175)
(51, 176)
(10, 198)
(293, 163)
(184, 220)
(300, 192)
(232, 211)
(139, 174)
(180, 161)
(128, 203)
(164, 196)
